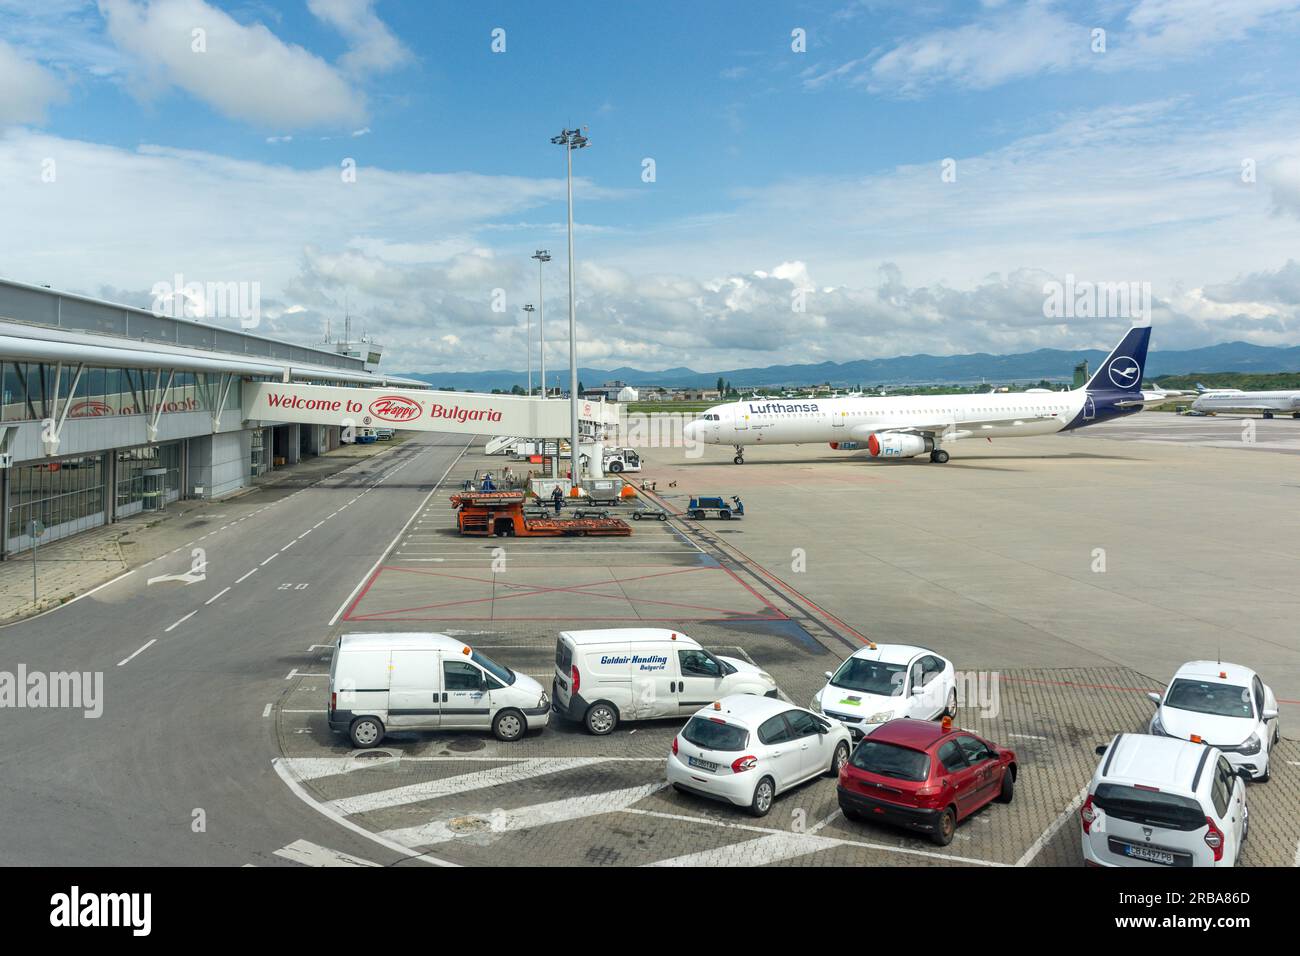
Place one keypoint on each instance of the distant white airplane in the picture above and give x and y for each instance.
(906, 426)
(1235, 400)
(1155, 394)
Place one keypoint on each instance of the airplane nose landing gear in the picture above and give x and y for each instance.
(740, 455)
(939, 456)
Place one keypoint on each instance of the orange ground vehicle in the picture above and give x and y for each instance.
(501, 513)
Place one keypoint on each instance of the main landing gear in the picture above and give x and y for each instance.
(740, 455)
(939, 456)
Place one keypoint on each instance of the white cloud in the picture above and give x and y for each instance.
(1006, 43)
(244, 72)
(892, 262)
(373, 48)
(27, 89)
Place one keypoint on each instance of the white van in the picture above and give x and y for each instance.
(643, 673)
(1157, 801)
(383, 682)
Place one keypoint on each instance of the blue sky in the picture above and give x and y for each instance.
(778, 174)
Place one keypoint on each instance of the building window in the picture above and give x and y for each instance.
(65, 496)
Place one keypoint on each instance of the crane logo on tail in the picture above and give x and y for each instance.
(1125, 372)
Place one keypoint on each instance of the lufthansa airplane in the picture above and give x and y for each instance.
(906, 426)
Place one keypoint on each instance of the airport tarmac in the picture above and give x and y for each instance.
(1068, 575)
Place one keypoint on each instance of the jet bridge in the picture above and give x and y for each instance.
(463, 413)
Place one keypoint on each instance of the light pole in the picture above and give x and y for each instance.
(572, 139)
(541, 255)
(529, 349)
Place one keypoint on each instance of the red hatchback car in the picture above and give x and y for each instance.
(925, 776)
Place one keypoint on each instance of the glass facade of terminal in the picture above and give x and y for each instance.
(65, 497)
(29, 391)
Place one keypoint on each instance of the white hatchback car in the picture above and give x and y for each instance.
(1155, 801)
(881, 682)
(1224, 705)
(745, 750)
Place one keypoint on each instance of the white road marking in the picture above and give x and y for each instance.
(522, 818)
(906, 851)
(215, 596)
(759, 852)
(460, 783)
(288, 546)
(829, 819)
(313, 768)
(397, 537)
(1027, 736)
(292, 674)
(144, 648)
(173, 627)
(267, 561)
(312, 854)
(1036, 847)
(343, 821)
(246, 576)
(267, 711)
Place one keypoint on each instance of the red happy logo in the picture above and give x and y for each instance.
(395, 408)
(90, 409)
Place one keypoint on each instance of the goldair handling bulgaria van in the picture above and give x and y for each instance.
(642, 673)
(384, 682)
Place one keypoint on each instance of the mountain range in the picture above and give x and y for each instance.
(1051, 364)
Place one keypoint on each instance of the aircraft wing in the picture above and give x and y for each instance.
(948, 430)
(1147, 401)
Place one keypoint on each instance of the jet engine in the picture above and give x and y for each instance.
(898, 445)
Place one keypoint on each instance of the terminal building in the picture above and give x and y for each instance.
(110, 410)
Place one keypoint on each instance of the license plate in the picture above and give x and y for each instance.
(699, 764)
(1149, 854)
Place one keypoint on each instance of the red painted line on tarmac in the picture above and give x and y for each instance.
(347, 615)
(1075, 683)
(643, 620)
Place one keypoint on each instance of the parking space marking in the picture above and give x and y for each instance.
(906, 851)
(460, 783)
(313, 854)
(289, 781)
(1045, 837)
(757, 852)
(522, 818)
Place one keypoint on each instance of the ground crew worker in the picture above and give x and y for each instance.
(557, 497)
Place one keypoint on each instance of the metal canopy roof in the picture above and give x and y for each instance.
(36, 343)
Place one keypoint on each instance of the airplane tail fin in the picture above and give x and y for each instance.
(1201, 388)
(1122, 370)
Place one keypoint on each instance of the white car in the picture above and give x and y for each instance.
(1224, 705)
(746, 749)
(1155, 801)
(884, 681)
